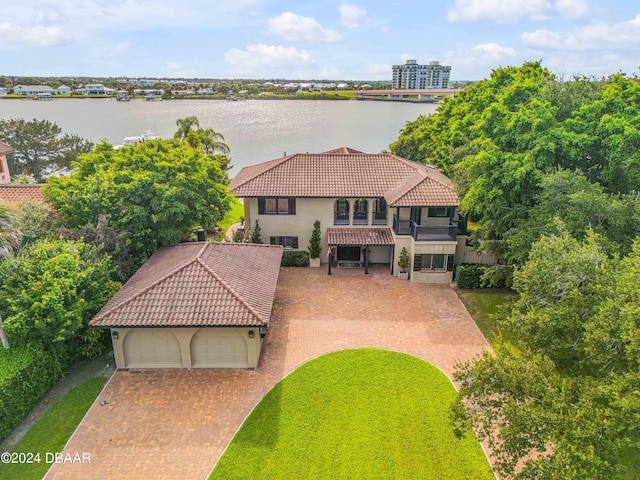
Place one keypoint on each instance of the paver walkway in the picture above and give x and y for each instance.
(174, 424)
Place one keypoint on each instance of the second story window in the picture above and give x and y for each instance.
(380, 212)
(361, 212)
(341, 213)
(276, 206)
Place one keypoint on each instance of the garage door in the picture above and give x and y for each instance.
(211, 347)
(151, 348)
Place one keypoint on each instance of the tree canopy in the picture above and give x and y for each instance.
(499, 139)
(51, 291)
(560, 401)
(40, 147)
(156, 192)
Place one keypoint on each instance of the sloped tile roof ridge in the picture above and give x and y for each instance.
(228, 288)
(427, 170)
(146, 289)
(254, 171)
(345, 150)
(405, 187)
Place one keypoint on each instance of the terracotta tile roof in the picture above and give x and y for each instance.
(198, 284)
(343, 150)
(359, 236)
(4, 148)
(18, 192)
(352, 175)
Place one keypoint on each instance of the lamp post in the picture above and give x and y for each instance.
(329, 261)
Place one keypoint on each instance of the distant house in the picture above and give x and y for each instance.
(370, 207)
(33, 90)
(3, 91)
(194, 305)
(63, 90)
(96, 89)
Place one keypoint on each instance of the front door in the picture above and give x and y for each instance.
(349, 253)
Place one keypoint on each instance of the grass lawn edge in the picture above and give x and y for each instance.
(297, 367)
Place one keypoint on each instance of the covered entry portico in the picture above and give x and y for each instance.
(357, 246)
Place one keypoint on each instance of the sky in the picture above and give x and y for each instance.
(315, 39)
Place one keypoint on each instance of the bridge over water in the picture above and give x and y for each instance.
(428, 95)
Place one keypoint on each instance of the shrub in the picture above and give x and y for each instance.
(295, 258)
(25, 375)
(483, 276)
(314, 242)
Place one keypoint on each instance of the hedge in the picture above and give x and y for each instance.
(295, 258)
(478, 276)
(25, 376)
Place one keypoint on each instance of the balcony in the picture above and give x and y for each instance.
(425, 233)
(360, 218)
(379, 218)
(341, 218)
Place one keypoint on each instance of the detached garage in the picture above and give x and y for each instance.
(195, 305)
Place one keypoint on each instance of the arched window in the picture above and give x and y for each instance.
(361, 212)
(341, 212)
(380, 212)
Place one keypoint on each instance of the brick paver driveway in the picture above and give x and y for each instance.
(175, 423)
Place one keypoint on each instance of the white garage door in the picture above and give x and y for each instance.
(211, 347)
(151, 348)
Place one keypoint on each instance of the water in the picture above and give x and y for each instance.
(255, 130)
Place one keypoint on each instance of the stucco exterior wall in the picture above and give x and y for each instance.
(300, 225)
(184, 336)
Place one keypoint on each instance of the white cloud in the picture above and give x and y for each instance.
(493, 51)
(264, 58)
(478, 62)
(351, 16)
(177, 70)
(595, 37)
(297, 28)
(510, 11)
(38, 35)
(379, 70)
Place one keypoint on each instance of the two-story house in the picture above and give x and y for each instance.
(370, 206)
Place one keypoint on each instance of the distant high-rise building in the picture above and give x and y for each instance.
(412, 76)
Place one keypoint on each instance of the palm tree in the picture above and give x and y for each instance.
(10, 235)
(211, 141)
(185, 125)
(10, 238)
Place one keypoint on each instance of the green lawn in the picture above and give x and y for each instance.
(484, 306)
(52, 431)
(235, 213)
(355, 414)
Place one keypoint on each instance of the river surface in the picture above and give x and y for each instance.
(255, 130)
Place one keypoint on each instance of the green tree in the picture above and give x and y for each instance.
(157, 192)
(40, 147)
(51, 291)
(314, 241)
(211, 142)
(10, 234)
(579, 205)
(255, 234)
(557, 403)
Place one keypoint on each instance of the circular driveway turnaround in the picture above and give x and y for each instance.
(175, 423)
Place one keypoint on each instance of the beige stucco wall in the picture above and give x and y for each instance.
(308, 210)
(300, 225)
(184, 336)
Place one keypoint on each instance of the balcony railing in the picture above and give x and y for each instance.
(401, 227)
(361, 218)
(379, 218)
(341, 218)
(425, 233)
